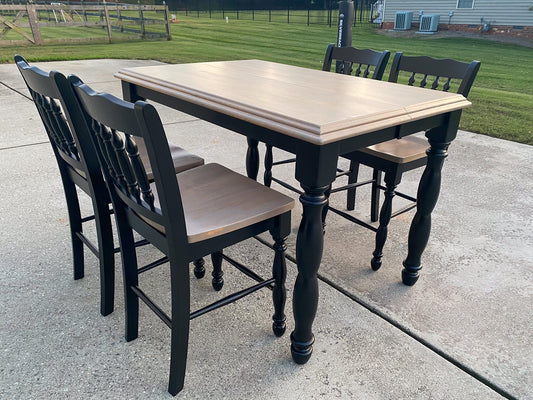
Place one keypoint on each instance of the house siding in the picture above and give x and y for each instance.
(495, 12)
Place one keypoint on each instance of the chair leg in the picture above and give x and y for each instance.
(374, 202)
(106, 256)
(252, 159)
(131, 279)
(218, 280)
(279, 293)
(267, 177)
(74, 216)
(178, 360)
(199, 269)
(384, 219)
(179, 341)
(352, 178)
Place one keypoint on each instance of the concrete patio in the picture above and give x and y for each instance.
(464, 331)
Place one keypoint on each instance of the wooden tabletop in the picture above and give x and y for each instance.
(312, 105)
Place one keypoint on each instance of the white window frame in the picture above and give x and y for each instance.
(465, 8)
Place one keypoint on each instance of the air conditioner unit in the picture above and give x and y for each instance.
(402, 20)
(429, 23)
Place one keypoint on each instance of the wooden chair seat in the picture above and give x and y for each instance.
(217, 201)
(400, 151)
(183, 160)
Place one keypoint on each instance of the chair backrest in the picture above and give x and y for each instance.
(367, 61)
(79, 158)
(437, 70)
(114, 125)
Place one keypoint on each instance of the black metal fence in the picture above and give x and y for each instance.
(310, 12)
(323, 12)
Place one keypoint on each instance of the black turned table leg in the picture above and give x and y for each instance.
(252, 159)
(427, 196)
(309, 246)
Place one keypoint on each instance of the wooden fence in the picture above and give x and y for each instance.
(128, 21)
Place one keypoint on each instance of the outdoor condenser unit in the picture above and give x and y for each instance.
(429, 23)
(402, 20)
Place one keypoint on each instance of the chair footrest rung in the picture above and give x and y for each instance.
(406, 196)
(351, 186)
(160, 313)
(399, 194)
(353, 219)
(245, 270)
(403, 210)
(341, 172)
(287, 161)
(139, 243)
(89, 218)
(142, 242)
(87, 243)
(154, 264)
(287, 186)
(231, 298)
(92, 217)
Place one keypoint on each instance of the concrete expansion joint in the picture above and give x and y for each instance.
(16, 91)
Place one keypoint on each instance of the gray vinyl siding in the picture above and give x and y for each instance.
(496, 12)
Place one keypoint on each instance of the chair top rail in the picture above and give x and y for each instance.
(444, 68)
(362, 57)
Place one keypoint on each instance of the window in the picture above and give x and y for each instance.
(465, 3)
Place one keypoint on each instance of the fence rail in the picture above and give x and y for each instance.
(143, 21)
(289, 11)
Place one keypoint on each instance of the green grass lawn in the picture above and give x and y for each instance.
(502, 95)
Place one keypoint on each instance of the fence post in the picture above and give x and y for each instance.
(141, 17)
(34, 23)
(108, 22)
(330, 12)
(119, 18)
(167, 22)
(83, 12)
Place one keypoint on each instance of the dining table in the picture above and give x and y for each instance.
(317, 116)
